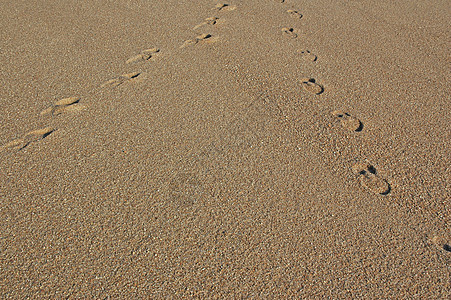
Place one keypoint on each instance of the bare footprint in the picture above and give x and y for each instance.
(290, 32)
(224, 7)
(307, 55)
(370, 180)
(120, 79)
(62, 106)
(143, 56)
(310, 85)
(295, 13)
(200, 38)
(30, 137)
(207, 21)
(347, 121)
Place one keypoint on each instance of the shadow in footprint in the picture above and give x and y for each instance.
(349, 122)
(204, 38)
(224, 7)
(29, 137)
(121, 79)
(207, 21)
(36, 135)
(311, 86)
(294, 13)
(144, 55)
(307, 55)
(440, 243)
(14, 145)
(290, 32)
(62, 106)
(370, 180)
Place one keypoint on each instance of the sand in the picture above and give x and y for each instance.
(257, 149)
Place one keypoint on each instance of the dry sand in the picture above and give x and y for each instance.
(269, 149)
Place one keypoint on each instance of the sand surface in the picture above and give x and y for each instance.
(264, 149)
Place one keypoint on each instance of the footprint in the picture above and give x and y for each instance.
(311, 86)
(347, 121)
(280, 1)
(36, 135)
(30, 137)
(207, 21)
(121, 79)
(200, 38)
(17, 144)
(224, 6)
(370, 180)
(290, 32)
(440, 242)
(307, 55)
(295, 13)
(188, 43)
(143, 56)
(62, 106)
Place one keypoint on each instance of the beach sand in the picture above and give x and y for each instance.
(254, 149)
